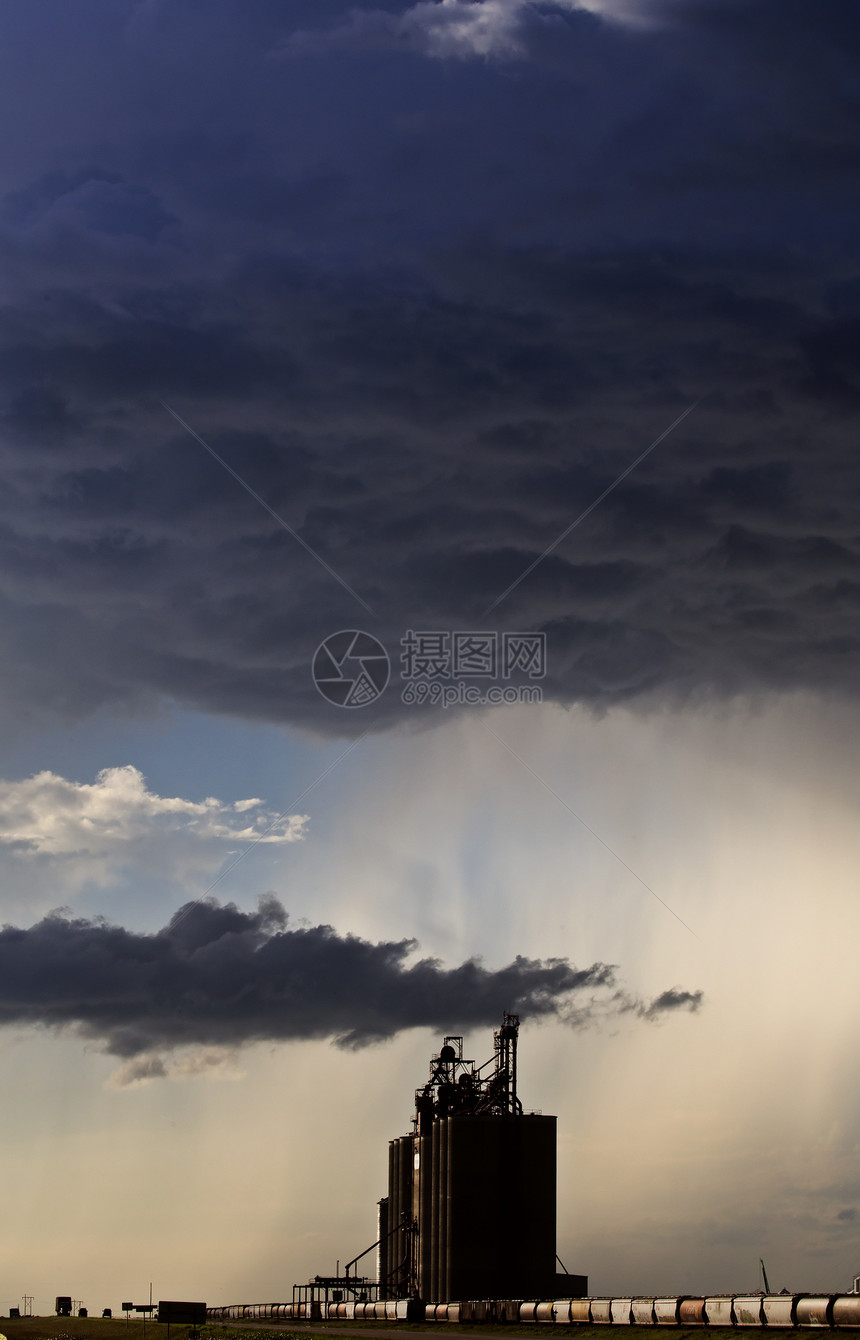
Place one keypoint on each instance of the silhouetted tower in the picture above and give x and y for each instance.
(471, 1201)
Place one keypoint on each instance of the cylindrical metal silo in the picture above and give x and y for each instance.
(433, 1285)
(394, 1201)
(382, 1237)
(400, 1240)
(445, 1211)
(426, 1182)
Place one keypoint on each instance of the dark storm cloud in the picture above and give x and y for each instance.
(673, 999)
(429, 309)
(219, 976)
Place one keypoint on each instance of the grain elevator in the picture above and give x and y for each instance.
(471, 1204)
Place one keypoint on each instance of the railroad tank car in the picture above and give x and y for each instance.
(813, 1311)
(846, 1310)
(691, 1312)
(746, 1311)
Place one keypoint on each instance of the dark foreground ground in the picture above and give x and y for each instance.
(98, 1328)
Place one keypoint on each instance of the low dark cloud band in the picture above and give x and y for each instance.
(218, 976)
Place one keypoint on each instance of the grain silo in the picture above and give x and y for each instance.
(471, 1204)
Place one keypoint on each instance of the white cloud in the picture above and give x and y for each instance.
(50, 814)
(451, 29)
(436, 28)
(89, 832)
(460, 28)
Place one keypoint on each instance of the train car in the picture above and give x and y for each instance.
(779, 1309)
(812, 1310)
(691, 1312)
(746, 1309)
(718, 1311)
(667, 1310)
(620, 1311)
(845, 1310)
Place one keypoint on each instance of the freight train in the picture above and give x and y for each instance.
(777, 1310)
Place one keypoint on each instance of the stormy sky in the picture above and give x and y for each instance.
(429, 278)
(218, 975)
(471, 326)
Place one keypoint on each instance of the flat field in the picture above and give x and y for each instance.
(99, 1328)
(87, 1328)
